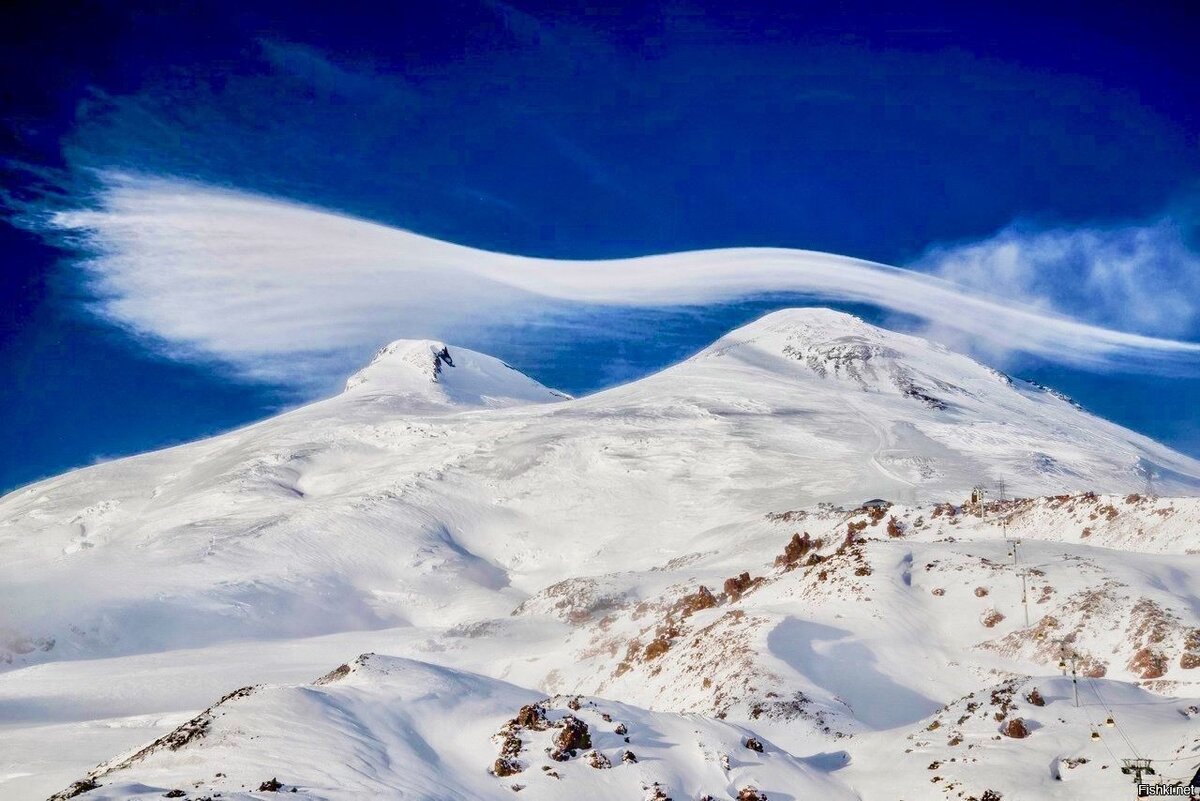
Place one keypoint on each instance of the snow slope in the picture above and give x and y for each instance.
(447, 509)
(387, 727)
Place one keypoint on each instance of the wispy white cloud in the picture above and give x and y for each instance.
(1140, 277)
(281, 291)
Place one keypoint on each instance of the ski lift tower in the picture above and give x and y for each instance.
(1137, 768)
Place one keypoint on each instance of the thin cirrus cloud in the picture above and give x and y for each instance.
(282, 291)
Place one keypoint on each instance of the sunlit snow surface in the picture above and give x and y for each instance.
(449, 510)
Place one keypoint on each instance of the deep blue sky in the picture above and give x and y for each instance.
(600, 131)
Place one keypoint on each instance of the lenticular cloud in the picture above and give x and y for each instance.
(278, 289)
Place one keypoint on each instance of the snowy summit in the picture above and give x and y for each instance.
(427, 371)
(450, 581)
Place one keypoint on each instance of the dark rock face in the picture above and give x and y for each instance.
(78, 788)
(629, 758)
(440, 358)
(272, 786)
(573, 737)
(754, 744)
(531, 716)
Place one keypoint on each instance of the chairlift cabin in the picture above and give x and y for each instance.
(876, 503)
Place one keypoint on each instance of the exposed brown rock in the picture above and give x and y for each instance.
(598, 760)
(698, 600)
(657, 647)
(78, 788)
(794, 551)
(573, 737)
(510, 746)
(1148, 664)
(337, 674)
(504, 766)
(1034, 697)
(751, 794)
(271, 786)
(754, 744)
(656, 792)
(531, 716)
(1015, 728)
(738, 586)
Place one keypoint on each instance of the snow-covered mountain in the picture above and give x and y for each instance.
(423, 373)
(690, 544)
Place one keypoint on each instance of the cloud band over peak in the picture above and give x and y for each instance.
(278, 290)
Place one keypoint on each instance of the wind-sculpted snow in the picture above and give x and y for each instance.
(388, 727)
(692, 544)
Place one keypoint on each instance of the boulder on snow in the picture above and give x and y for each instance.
(754, 744)
(991, 617)
(1015, 728)
(573, 737)
(505, 766)
(531, 716)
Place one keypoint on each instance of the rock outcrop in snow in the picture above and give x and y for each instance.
(398, 728)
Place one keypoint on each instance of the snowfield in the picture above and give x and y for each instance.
(687, 555)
